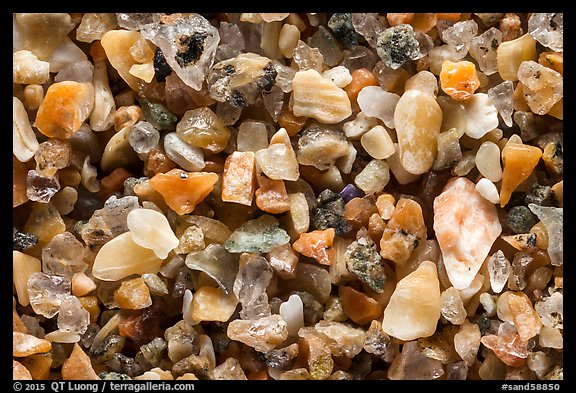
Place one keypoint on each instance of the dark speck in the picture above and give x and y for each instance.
(190, 49)
(238, 99)
(229, 69)
(558, 151)
(161, 67)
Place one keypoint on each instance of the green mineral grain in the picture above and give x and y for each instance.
(397, 45)
(341, 26)
(257, 236)
(520, 219)
(158, 115)
(364, 260)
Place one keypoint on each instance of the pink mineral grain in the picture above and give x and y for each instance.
(466, 226)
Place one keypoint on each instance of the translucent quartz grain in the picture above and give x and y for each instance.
(411, 359)
(81, 71)
(542, 86)
(452, 307)
(389, 79)
(217, 263)
(551, 310)
(64, 255)
(307, 58)
(449, 151)
(202, 128)
(369, 26)
(262, 334)
(548, 29)
(499, 270)
(552, 218)
(188, 43)
(511, 54)
(417, 119)
(46, 293)
(189, 157)
(414, 308)
(94, 25)
(319, 98)
(320, 146)
(252, 136)
(73, 317)
(273, 101)
(52, 155)
(459, 35)
(251, 75)
(324, 40)
(25, 144)
(135, 20)
(483, 48)
(283, 260)
(501, 96)
(488, 161)
(478, 223)
(143, 137)
(253, 278)
(378, 103)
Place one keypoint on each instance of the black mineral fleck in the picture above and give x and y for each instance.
(329, 213)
